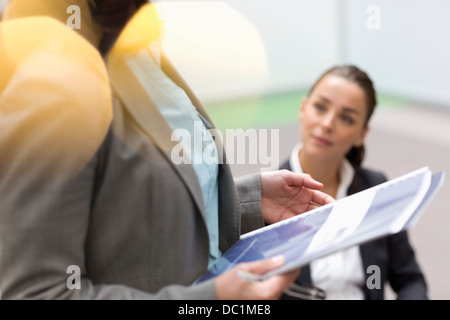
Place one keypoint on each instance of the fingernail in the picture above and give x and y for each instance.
(278, 259)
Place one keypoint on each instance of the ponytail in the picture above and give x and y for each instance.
(356, 155)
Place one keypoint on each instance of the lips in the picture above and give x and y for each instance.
(322, 141)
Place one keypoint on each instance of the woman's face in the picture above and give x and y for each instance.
(333, 119)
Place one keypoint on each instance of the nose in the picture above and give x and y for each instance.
(327, 120)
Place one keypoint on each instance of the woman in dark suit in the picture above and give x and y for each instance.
(334, 123)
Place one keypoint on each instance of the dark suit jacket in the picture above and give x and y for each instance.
(393, 254)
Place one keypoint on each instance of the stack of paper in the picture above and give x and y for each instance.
(382, 210)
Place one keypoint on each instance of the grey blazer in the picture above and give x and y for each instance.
(131, 220)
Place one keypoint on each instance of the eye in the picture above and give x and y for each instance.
(347, 119)
(320, 107)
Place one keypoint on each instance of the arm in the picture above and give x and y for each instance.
(249, 190)
(56, 112)
(405, 276)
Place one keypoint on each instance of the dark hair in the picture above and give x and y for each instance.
(361, 78)
(112, 16)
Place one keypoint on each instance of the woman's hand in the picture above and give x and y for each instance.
(285, 194)
(230, 286)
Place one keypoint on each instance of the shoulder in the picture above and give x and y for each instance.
(54, 91)
(372, 176)
(366, 178)
(42, 50)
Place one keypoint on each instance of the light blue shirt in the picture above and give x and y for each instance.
(180, 113)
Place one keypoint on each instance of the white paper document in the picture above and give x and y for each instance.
(385, 209)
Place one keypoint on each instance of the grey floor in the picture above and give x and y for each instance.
(402, 140)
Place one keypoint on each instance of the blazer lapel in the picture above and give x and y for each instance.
(147, 115)
(229, 223)
(173, 74)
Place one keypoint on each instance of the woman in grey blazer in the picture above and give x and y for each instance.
(92, 204)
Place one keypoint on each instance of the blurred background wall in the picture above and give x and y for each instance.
(409, 55)
(283, 45)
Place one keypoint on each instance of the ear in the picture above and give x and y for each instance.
(359, 142)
